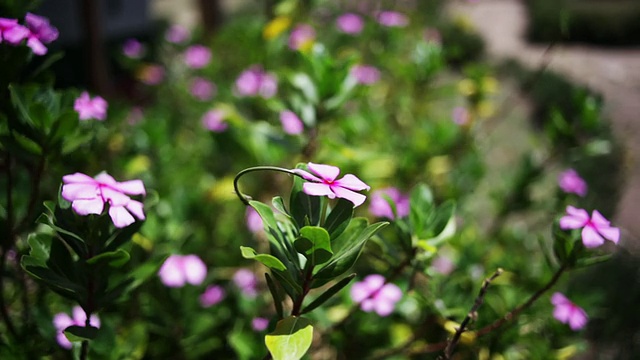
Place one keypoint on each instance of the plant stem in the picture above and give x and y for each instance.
(245, 198)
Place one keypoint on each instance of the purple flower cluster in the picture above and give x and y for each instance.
(567, 312)
(179, 270)
(381, 207)
(256, 82)
(88, 108)
(373, 294)
(37, 32)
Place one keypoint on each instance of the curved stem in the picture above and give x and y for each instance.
(245, 198)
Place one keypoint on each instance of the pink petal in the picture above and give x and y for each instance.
(325, 172)
(355, 198)
(78, 178)
(578, 318)
(16, 34)
(558, 299)
(77, 191)
(384, 307)
(61, 321)
(106, 179)
(590, 237)
(351, 182)
(171, 273)
(194, 269)
(62, 340)
(131, 187)
(368, 305)
(114, 197)
(598, 220)
(390, 292)
(120, 216)
(359, 292)
(136, 208)
(316, 189)
(88, 206)
(306, 175)
(36, 46)
(79, 316)
(374, 281)
(610, 233)
(562, 312)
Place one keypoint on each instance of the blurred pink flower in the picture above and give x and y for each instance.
(178, 270)
(177, 34)
(202, 89)
(374, 295)
(256, 82)
(570, 182)
(12, 32)
(291, 123)
(323, 183)
(197, 56)
(152, 74)
(40, 33)
(595, 229)
(259, 324)
(254, 221)
(88, 108)
(460, 115)
(380, 207)
(214, 120)
(350, 23)
(392, 19)
(246, 281)
(302, 37)
(88, 195)
(212, 295)
(568, 313)
(365, 74)
(135, 115)
(62, 321)
(132, 48)
(443, 265)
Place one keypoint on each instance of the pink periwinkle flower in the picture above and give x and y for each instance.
(177, 34)
(570, 182)
(380, 206)
(567, 312)
(374, 295)
(88, 195)
(213, 120)
(323, 182)
(259, 324)
(302, 37)
(88, 108)
(12, 32)
(291, 123)
(365, 74)
(202, 89)
(197, 56)
(152, 74)
(62, 321)
(595, 229)
(178, 270)
(247, 282)
(40, 33)
(254, 221)
(392, 19)
(212, 295)
(350, 23)
(132, 48)
(460, 115)
(256, 82)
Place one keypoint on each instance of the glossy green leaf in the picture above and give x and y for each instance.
(113, 258)
(339, 218)
(421, 208)
(80, 333)
(305, 209)
(328, 293)
(266, 214)
(278, 204)
(268, 260)
(314, 242)
(291, 338)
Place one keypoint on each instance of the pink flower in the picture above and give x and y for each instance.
(302, 37)
(256, 82)
(179, 270)
(133, 49)
(259, 324)
(443, 265)
(392, 19)
(177, 34)
(214, 120)
(350, 23)
(197, 56)
(88, 108)
(151, 74)
(380, 205)
(460, 115)
(202, 89)
(88, 196)
(570, 182)
(40, 33)
(365, 74)
(323, 183)
(568, 313)
(254, 221)
(212, 295)
(62, 321)
(291, 123)
(594, 229)
(374, 295)
(247, 282)
(12, 32)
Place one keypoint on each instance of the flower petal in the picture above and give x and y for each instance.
(577, 318)
(136, 208)
(351, 182)
(120, 216)
(590, 237)
(78, 178)
(114, 197)
(354, 197)
(76, 191)
(558, 299)
(88, 206)
(610, 233)
(61, 321)
(359, 292)
(390, 292)
(306, 175)
(325, 172)
(598, 220)
(131, 187)
(171, 273)
(194, 269)
(384, 307)
(562, 312)
(316, 189)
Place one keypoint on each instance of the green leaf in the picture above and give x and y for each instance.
(277, 297)
(278, 204)
(291, 339)
(113, 258)
(442, 226)
(268, 260)
(303, 82)
(421, 208)
(305, 209)
(339, 218)
(80, 333)
(314, 242)
(328, 294)
(266, 214)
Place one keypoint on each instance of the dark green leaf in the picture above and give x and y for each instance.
(305, 209)
(277, 297)
(80, 333)
(113, 258)
(339, 218)
(328, 294)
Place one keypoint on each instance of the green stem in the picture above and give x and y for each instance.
(245, 198)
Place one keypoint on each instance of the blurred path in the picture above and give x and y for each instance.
(615, 73)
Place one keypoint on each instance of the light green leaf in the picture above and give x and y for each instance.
(268, 260)
(314, 242)
(291, 339)
(113, 258)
